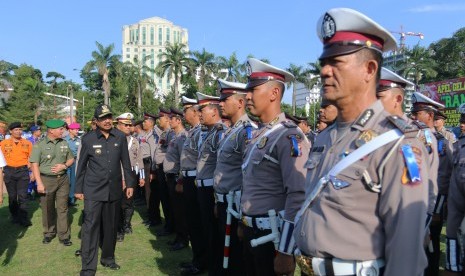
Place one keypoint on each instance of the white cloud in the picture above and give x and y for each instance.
(438, 8)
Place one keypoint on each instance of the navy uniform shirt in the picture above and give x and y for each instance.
(98, 173)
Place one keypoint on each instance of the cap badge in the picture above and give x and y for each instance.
(414, 99)
(328, 27)
(105, 109)
(248, 69)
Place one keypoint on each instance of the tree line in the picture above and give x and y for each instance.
(129, 86)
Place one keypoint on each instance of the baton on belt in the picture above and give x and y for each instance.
(273, 236)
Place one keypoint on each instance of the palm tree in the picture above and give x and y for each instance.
(300, 75)
(136, 73)
(417, 65)
(102, 60)
(232, 65)
(204, 62)
(175, 61)
(53, 82)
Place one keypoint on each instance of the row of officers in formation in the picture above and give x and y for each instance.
(365, 196)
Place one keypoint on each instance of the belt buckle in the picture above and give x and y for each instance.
(244, 221)
(305, 264)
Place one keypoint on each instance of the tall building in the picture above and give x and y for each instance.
(305, 96)
(149, 37)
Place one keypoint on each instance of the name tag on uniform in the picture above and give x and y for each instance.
(97, 146)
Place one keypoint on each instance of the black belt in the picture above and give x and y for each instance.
(147, 160)
(52, 175)
(16, 168)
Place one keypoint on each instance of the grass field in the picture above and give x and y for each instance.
(141, 253)
(22, 251)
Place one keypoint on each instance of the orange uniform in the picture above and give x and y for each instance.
(16, 154)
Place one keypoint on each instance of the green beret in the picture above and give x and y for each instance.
(54, 123)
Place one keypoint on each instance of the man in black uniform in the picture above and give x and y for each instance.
(104, 153)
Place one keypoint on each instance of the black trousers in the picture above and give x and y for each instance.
(127, 210)
(16, 182)
(194, 223)
(99, 228)
(210, 229)
(236, 260)
(177, 208)
(160, 194)
(258, 260)
(435, 229)
(153, 208)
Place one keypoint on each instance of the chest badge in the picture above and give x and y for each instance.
(365, 137)
(262, 142)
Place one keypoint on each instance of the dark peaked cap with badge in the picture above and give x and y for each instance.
(163, 112)
(102, 111)
(205, 100)
(421, 102)
(390, 80)
(228, 88)
(176, 112)
(344, 31)
(150, 116)
(259, 72)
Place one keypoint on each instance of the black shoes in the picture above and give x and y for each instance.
(112, 266)
(191, 270)
(178, 246)
(77, 253)
(163, 233)
(66, 242)
(47, 240)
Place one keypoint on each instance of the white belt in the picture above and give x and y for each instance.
(204, 182)
(220, 198)
(262, 223)
(189, 173)
(347, 267)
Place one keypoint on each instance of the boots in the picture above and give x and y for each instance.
(127, 220)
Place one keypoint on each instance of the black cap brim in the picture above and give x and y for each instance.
(255, 83)
(336, 49)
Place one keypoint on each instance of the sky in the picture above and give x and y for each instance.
(57, 35)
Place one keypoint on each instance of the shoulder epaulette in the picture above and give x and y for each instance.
(289, 124)
(401, 124)
(419, 124)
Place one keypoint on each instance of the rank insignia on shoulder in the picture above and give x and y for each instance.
(365, 137)
(289, 124)
(262, 143)
(401, 124)
(412, 158)
(295, 147)
(365, 117)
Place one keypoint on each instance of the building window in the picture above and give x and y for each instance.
(143, 54)
(152, 53)
(137, 36)
(128, 49)
(160, 36)
(168, 33)
(136, 50)
(128, 56)
(143, 35)
(175, 36)
(152, 36)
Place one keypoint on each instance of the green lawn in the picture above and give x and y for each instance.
(22, 251)
(142, 253)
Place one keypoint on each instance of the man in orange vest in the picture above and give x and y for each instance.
(16, 173)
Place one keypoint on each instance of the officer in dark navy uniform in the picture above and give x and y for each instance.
(103, 158)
